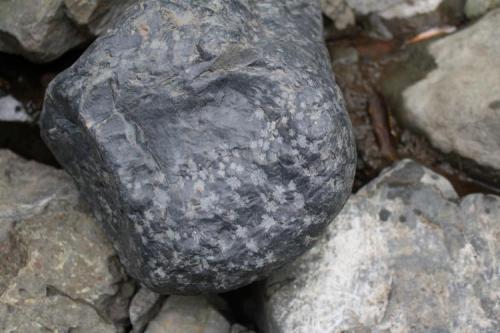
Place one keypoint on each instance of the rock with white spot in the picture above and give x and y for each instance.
(404, 255)
(11, 110)
(58, 272)
(186, 314)
(210, 139)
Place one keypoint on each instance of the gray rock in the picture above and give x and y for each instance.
(456, 103)
(188, 314)
(57, 270)
(144, 306)
(405, 255)
(476, 8)
(12, 110)
(210, 139)
(42, 30)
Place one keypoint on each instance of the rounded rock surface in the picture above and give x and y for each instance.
(210, 139)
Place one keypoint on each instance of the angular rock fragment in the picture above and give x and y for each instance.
(144, 307)
(456, 103)
(43, 30)
(57, 270)
(184, 314)
(405, 255)
(210, 139)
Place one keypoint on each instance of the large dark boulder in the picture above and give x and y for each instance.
(209, 138)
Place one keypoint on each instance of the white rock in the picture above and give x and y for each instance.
(12, 110)
(457, 105)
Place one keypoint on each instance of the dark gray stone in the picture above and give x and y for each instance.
(210, 139)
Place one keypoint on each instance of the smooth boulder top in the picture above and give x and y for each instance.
(210, 138)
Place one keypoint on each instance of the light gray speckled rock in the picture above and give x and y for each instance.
(457, 102)
(405, 255)
(210, 139)
(188, 314)
(42, 30)
(144, 306)
(57, 270)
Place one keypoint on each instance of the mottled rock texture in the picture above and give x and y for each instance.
(210, 139)
(186, 314)
(58, 273)
(455, 102)
(405, 255)
(42, 30)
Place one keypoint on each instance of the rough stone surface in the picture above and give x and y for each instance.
(210, 139)
(42, 30)
(57, 270)
(405, 255)
(475, 8)
(456, 104)
(186, 314)
(144, 306)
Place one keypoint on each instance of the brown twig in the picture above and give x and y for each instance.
(380, 122)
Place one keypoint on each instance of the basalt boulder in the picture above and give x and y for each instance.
(210, 138)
